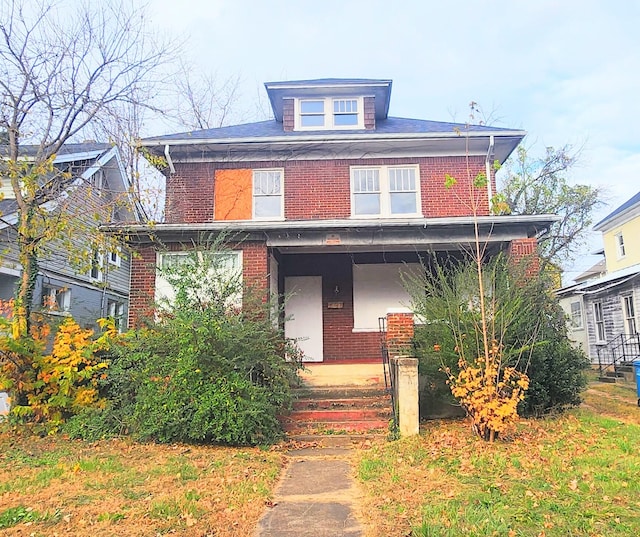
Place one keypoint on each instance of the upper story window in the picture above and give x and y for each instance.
(97, 264)
(620, 245)
(385, 191)
(268, 199)
(329, 114)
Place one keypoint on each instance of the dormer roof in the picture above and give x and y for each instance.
(330, 87)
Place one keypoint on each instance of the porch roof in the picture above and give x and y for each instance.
(350, 234)
(598, 285)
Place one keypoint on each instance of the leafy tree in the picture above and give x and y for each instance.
(62, 67)
(540, 186)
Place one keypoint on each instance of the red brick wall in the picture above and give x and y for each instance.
(143, 285)
(320, 189)
(526, 251)
(399, 333)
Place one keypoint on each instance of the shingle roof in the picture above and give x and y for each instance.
(626, 205)
(271, 128)
(67, 149)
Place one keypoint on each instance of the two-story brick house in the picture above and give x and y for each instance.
(334, 199)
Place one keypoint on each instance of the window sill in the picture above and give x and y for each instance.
(364, 330)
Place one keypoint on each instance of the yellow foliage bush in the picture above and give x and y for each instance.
(489, 393)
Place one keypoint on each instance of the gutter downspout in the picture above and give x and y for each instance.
(487, 164)
(170, 162)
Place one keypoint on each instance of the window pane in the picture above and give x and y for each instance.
(345, 119)
(345, 106)
(403, 203)
(402, 180)
(312, 107)
(265, 206)
(366, 203)
(266, 183)
(312, 121)
(366, 180)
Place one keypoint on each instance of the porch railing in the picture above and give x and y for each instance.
(620, 351)
(389, 380)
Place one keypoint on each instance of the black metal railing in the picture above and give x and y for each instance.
(620, 351)
(389, 377)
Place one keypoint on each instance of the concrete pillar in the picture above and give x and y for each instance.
(405, 388)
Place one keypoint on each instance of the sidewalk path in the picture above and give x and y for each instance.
(315, 497)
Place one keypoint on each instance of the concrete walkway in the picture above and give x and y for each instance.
(315, 497)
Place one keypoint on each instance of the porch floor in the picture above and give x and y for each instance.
(369, 374)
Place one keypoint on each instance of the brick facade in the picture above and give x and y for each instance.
(321, 189)
(400, 332)
(525, 251)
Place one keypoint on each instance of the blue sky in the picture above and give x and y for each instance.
(566, 71)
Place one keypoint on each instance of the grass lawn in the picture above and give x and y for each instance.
(578, 474)
(53, 486)
(575, 475)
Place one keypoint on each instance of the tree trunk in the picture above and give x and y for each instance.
(29, 262)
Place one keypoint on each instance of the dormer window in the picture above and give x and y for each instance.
(329, 114)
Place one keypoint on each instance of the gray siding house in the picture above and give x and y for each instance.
(100, 186)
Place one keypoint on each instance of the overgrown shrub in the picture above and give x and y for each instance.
(530, 329)
(205, 370)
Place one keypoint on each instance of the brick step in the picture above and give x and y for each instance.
(323, 428)
(380, 401)
(329, 415)
(339, 392)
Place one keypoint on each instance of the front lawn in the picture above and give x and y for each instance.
(578, 474)
(52, 486)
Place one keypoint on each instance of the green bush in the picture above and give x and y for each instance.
(529, 326)
(204, 371)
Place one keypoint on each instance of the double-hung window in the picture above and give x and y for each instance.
(115, 310)
(329, 113)
(385, 191)
(267, 194)
(620, 246)
(576, 315)
(598, 317)
(97, 264)
(629, 310)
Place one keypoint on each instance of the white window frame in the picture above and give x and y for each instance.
(97, 264)
(54, 294)
(629, 313)
(385, 192)
(329, 114)
(598, 322)
(114, 257)
(257, 172)
(577, 321)
(115, 310)
(620, 249)
(164, 292)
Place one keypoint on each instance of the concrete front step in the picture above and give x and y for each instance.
(322, 428)
(315, 403)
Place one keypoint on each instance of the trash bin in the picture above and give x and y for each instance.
(636, 373)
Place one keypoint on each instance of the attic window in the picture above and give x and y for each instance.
(329, 114)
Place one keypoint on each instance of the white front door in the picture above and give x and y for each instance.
(303, 311)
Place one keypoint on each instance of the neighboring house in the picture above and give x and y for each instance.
(334, 200)
(608, 299)
(100, 183)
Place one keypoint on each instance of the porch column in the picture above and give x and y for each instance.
(399, 332)
(404, 371)
(525, 252)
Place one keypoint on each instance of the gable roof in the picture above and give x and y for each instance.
(627, 205)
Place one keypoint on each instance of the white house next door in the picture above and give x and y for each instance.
(303, 310)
